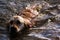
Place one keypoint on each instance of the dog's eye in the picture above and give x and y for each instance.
(11, 22)
(18, 22)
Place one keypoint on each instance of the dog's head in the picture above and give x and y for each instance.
(17, 24)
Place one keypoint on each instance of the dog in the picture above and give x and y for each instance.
(26, 18)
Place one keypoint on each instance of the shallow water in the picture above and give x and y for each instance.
(47, 31)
